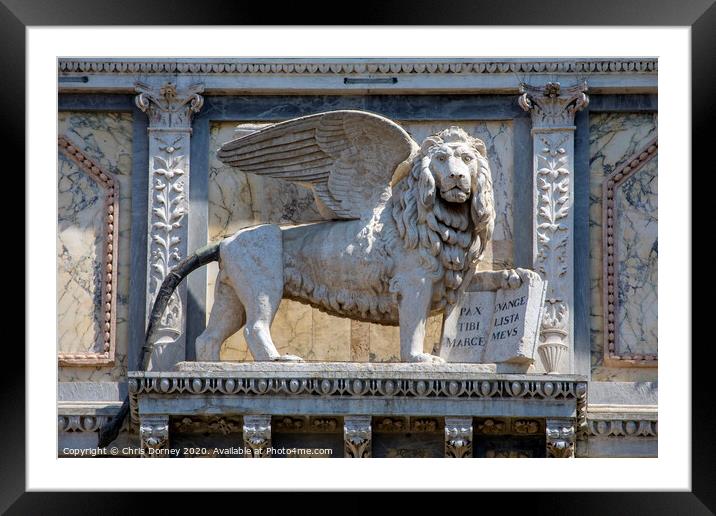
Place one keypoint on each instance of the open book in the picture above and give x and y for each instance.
(492, 327)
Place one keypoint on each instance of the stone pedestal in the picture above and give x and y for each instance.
(453, 393)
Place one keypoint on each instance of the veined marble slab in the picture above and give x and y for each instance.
(107, 139)
(614, 138)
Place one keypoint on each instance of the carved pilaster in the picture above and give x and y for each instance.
(169, 110)
(553, 109)
(357, 436)
(561, 437)
(154, 434)
(458, 437)
(257, 435)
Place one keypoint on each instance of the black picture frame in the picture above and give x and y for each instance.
(700, 15)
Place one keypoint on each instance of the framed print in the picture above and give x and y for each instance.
(409, 246)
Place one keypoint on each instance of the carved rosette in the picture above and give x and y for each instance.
(154, 434)
(357, 436)
(458, 437)
(257, 436)
(561, 437)
(553, 109)
(169, 110)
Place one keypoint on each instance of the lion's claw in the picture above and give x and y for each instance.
(288, 358)
(515, 278)
(424, 357)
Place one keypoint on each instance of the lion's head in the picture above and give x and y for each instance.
(445, 207)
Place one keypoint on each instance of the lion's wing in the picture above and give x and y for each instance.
(347, 158)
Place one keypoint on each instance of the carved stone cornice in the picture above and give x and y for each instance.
(347, 66)
(169, 108)
(357, 437)
(551, 105)
(355, 386)
(623, 428)
(458, 437)
(81, 423)
(108, 259)
(257, 435)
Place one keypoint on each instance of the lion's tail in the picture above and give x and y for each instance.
(210, 253)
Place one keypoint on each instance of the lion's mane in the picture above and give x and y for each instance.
(450, 238)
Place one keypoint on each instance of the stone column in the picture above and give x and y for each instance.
(357, 437)
(169, 110)
(154, 435)
(553, 108)
(458, 437)
(257, 436)
(561, 438)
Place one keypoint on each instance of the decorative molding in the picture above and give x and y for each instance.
(458, 437)
(348, 67)
(289, 385)
(169, 208)
(306, 424)
(404, 424)
(154, 433)
(553, 109)
(526, 426)
(81, 423)
(561, 437)
(167, 107)
(623, 428)
(508, 426)
(224, 425)
(391, 424)
(551, 106)
(357, 437)
(169, 110)
(491, 426)
(257, 435)
(612, 356)
(108, 264)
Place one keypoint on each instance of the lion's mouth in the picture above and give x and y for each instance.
(455, 194)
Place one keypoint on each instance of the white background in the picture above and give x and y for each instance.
(670, 471)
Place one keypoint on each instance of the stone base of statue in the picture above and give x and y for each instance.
(246, 398)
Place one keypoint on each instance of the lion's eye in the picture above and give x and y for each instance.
(466, 158)
(441, 157)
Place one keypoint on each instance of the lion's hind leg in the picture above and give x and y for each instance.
(253, 263)
(227, 317)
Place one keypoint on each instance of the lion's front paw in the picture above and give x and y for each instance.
(424, 357)
(515, 278)
(288, 358)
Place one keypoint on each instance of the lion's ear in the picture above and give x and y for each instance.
(429, 142)
(480, 146)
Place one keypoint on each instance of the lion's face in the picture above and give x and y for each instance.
(454, 166)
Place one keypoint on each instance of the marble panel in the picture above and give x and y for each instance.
(80, 238)
(613, 138)
(107, 139)
(636, 261)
